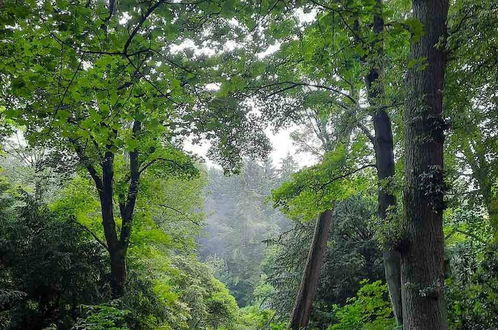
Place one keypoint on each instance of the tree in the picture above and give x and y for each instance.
(339, 53)
(312, 191)
(301, 312)
(384, 153)
(471, 103)
(112, 93)
(422, 253)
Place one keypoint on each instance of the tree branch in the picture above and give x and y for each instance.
(366, 132)
(129, 206)
(86, 162)
(139, 25)
(299, 84)
(346, 175)
(85, 228)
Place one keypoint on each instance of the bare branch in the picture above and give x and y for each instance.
(366, 132)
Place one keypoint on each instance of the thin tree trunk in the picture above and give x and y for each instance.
(311, 276)
(384, 159)
(422, 250)
(116, 251)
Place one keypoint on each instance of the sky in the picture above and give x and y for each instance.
(281, 141)
(281, 146)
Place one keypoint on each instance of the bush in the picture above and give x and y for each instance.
(369, 310)
(102, 317)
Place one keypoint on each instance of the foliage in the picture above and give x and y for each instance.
(472, 283)
(117, 90)
(102, 317)
(352, 255)
(471, 148)
(253, 317)
(315, 189)
(53, 262)
(164, 291)
(472, 289)
(369, 309)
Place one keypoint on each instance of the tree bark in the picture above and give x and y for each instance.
(302, 308)
(422, 249)
(384, 158)
(116, 251)
(118, 271)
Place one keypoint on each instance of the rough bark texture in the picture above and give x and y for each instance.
(384, 159)
(422, 259)
(310, 280)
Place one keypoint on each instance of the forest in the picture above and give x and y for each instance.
(240, 164)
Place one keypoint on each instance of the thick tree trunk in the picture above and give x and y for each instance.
(422, 250)
(384, 159)
(311, 276)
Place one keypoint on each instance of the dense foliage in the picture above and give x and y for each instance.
(383, 214)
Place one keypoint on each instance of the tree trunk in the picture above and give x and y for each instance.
(384, 159)
(422, 250)
(118, 271)
(117, 252)
(311, 276)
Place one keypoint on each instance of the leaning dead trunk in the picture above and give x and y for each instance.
(422, 251)
(311, 276)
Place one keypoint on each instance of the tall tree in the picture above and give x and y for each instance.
(384, 152)
(471, 104)
(422, 252)
(103, 83)
(341, 52)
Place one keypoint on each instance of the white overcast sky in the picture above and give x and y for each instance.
(281, 146)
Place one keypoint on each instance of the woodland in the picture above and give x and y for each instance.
(139, 187)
